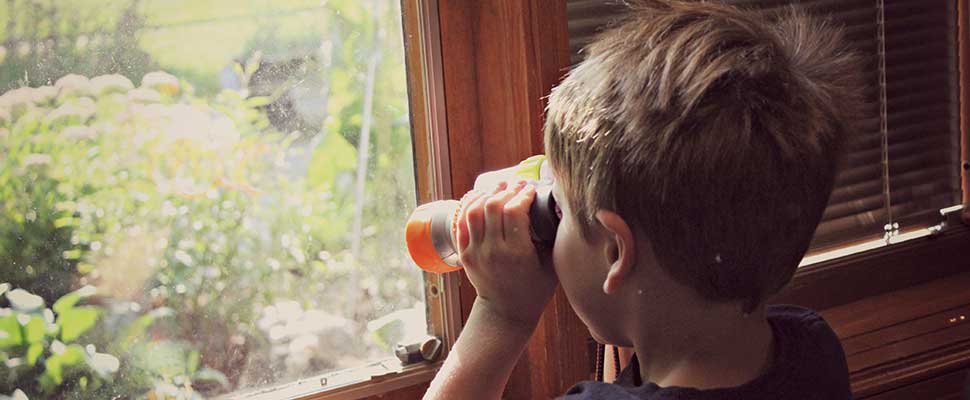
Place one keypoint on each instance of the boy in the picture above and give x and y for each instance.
(694, 151)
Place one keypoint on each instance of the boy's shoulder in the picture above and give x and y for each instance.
(808, 363)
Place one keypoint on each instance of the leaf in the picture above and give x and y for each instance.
(35, 329)
(24, 301)
(68, 301)
(85, 268)
(63, 222)
(209, 375)
(47, 383)
(238, 70)
(257, 101)
(194, 358)
(10, 334)
(163, 357)
(71, 356)
(137, 328)
(33, 353)
(334, 155)
(75, 321)
(72, 254)
(252, 64)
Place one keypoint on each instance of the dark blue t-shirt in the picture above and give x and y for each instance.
(808, 363)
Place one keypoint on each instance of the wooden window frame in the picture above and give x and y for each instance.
(479, 72)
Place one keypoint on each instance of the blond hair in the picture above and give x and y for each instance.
(713, 131)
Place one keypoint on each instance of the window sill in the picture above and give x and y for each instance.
(909, 341)
(880, 270)
(372, 380)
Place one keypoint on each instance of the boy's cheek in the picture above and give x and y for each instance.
(574, 275)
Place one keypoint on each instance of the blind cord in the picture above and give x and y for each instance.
(891, 227)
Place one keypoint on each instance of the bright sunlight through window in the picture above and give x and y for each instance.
(201, 197)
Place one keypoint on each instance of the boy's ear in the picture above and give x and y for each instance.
(620, 248)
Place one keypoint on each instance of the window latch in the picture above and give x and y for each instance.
(948, 216)
(427, 349)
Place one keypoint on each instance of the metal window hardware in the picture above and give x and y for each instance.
(891, 231)
(948, 216)
(427, 349)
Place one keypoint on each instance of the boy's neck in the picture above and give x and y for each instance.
(712, 348)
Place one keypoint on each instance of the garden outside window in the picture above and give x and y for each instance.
(201, 198)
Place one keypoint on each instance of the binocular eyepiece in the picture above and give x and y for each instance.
(430, 231)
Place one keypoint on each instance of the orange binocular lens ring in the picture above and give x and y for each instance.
(418, 237)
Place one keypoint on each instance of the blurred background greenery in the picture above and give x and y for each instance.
(232, 222)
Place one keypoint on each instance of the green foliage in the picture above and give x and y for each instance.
(219, 246)
(45, 40)
(177, 365)
(334, 156)
(40, 350)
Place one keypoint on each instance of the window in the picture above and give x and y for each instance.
(202, 197)
(903, 166)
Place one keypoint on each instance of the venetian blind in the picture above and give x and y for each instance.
(903, 163)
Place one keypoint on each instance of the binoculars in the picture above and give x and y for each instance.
(430, 230)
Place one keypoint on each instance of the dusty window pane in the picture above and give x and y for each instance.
(201, 197)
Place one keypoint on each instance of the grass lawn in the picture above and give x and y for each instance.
(198, 39)
(195, 39)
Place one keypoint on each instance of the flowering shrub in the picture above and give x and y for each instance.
(217, 246)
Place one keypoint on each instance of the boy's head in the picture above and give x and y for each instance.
(714, 133)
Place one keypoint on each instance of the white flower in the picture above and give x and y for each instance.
(184, 258)
(37, 159)
(17, 101)
(105, 84)
(103, 364)
(58, 347)
(44, 94)
(79, 132)
(22, 300)
(197, 124)
(73, 85)
(161, 81)
(16, 395)
(83, 108)
(144, 95)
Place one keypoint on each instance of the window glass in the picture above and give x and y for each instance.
(201, 197)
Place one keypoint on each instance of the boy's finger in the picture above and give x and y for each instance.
(494, 207)
(475, 218)
(461, 236)
(462, 222)
(516, 213)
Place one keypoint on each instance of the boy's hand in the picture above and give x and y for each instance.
(498, 255)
